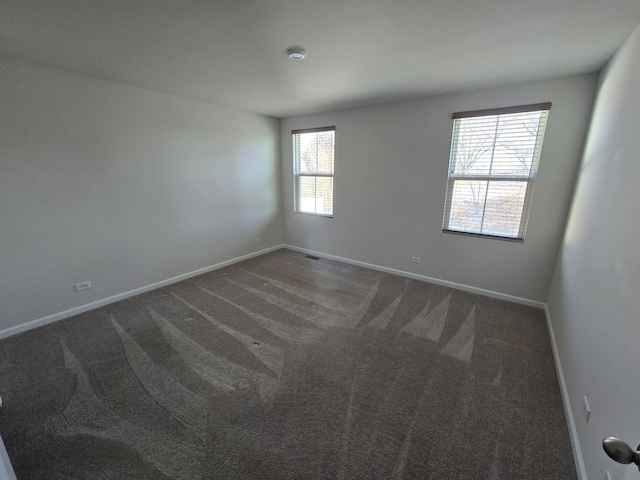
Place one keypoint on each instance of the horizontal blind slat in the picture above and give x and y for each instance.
(493, 164)
(313, 165)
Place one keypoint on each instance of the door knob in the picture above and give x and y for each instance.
(620, 451)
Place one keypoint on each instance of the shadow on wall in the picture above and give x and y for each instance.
(257, 167)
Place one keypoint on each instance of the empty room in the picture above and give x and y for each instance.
(319, 240)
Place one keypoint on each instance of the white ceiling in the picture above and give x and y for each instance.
(359, 52)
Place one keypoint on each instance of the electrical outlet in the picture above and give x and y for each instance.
(82, 286)
(586, 410)
(416, 259)
(258, 239)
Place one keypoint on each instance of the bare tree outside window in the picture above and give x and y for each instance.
(313, 155)
(492, 169)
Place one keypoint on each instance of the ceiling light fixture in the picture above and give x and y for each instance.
(296, 53)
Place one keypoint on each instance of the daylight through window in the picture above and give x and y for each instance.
(492, 170)
(313, 154)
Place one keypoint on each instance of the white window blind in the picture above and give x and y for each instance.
(492, 170)
(313, 157)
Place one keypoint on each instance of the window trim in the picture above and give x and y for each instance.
(314, 130)
(530, 180)
(330, 128)
(533, 107)
(483, 235)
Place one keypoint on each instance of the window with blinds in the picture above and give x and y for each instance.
(492, 170)
(313, 155)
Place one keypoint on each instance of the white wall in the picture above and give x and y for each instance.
(594, 302)
(390, 180)
(122, 187)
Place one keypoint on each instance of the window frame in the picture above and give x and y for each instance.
(297, 174)
(530, 180)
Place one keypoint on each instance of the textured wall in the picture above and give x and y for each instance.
(390, 180)
(594, 302)
(122, 187)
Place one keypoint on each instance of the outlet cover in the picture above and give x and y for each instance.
(82, 286)
(416, 259)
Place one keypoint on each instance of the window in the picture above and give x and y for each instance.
(492, 170)
(313, 152)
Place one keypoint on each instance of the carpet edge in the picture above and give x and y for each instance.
(573, 435)
(446, 283)
(39, 322)
(568, 411)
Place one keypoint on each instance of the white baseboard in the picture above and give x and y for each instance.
(8, 332)
(480, 291)
(573, 435)
(568, 412)
(424, 278)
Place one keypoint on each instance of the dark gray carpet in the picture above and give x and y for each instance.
(283, 367)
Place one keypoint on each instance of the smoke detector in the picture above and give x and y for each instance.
(296, 53)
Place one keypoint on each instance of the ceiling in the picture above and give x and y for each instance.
(359, 52)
